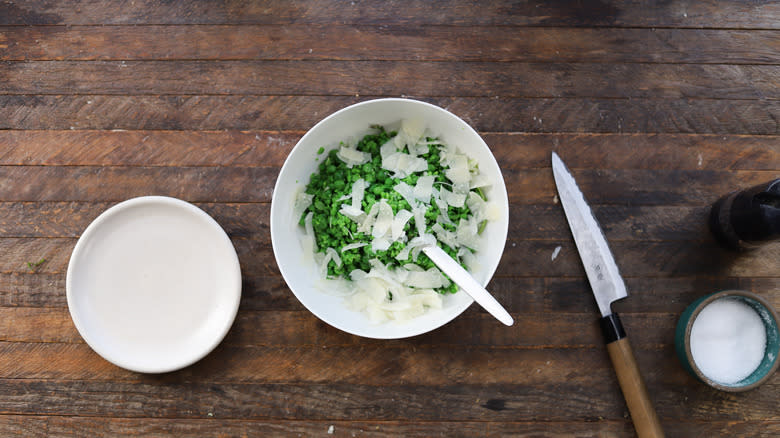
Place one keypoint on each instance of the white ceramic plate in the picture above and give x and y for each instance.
(153, 284)
(354, 122)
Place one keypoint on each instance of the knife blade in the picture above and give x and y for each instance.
(608, 286)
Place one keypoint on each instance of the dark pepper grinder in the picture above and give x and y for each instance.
(745, 219)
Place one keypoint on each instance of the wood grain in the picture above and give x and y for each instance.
(710, 13)
(387, 43)
(255, 184)
(352, 78)
(355, 402)
(39, 426)
(300, 113)
(300, 328)
(513, 150)
(521, 258)
(518, 294)
(640, 406)
(252, 220)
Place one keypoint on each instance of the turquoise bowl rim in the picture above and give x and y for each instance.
(768, 314)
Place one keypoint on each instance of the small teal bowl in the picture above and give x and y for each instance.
(768, 315)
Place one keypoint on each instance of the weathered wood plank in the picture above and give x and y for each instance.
(379, 365)
(356, 402)
(385, 43)
(350, 78)
(212, 425)
(147, 148)
(302, 329)
(40, 427)
(645, 259)
(521, 258)
(195, 184)
(255, 184)
(32, 289)
(710, 13)
(69, 219)
(637, 151)
(299, 113)
(517, 294)
(270, 149)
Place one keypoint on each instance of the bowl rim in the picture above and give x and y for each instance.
(488, 273)
(687, 337)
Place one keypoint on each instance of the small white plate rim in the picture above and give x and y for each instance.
(228, 301)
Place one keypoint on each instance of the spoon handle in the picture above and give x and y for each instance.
(466, 282)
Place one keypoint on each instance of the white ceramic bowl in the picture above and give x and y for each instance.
(153, 284)
(354, 122)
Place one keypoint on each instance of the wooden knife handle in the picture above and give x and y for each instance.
(640, 407)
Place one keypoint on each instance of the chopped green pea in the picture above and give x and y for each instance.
(333, 182)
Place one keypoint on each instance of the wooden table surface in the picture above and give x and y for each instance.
(659, 109)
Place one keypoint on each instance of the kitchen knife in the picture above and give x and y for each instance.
(608, 286)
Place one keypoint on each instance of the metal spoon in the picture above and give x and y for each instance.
(469, 285)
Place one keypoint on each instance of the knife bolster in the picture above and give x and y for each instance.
(612, 328)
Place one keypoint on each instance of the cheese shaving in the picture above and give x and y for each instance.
(352, 157)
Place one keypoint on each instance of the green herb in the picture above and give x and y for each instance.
(320, 150)
(35, 265)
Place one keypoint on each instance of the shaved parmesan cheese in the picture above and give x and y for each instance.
(410, 133)
(330, 255)
(380, 244)
(421, 148)
(399, 222)
(482, 210)
(458, 172)
(403, 165)
(430, 279)
(407, 192)
(387, 149)
(310, 231)
(384, 294)
(368, 222)
(378, 270)
(352, 246)
(467, 233)
(453, 199)
(308, 242)
(358, 192)
(353, 213)
(302, 202)
(334, 256)
(384, 219)
(352, 157)
(469, 259)
(444, 214)
(419, 218)
(446, 237)
(479, 180)
(424, 188)
(415, 245)
(478, 206)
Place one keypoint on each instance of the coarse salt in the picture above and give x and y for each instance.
(728, 340)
